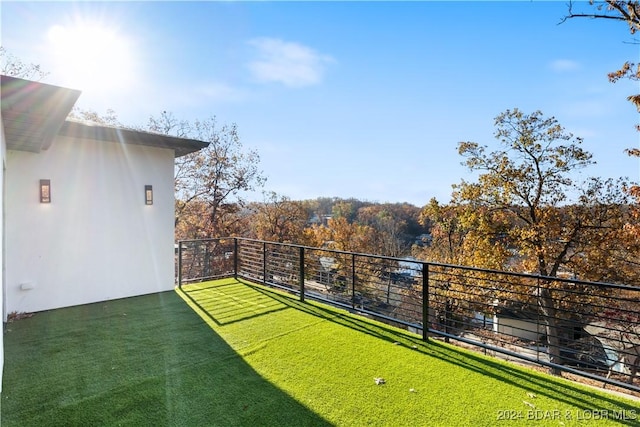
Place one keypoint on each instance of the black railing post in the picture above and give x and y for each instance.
(180, 264)
(301, 273)
(425, 301)
(235, 258)
(353, 281)
(264, 263)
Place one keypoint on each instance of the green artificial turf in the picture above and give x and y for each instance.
(144, 361)
(263, 358)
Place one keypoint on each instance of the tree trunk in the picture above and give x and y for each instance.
(549, 312)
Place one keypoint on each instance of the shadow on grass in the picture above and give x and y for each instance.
(230, 302)
(246, 293)
(147, 360)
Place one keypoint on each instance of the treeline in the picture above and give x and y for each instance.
(595, 241)
(351, 224)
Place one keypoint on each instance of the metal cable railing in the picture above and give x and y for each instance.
(586, 328)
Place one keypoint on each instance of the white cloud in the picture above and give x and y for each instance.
(291, 64)
(564, 65)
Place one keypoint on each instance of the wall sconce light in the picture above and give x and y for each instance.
(45, 191)
(148, 195)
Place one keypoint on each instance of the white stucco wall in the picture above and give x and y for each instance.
(3, 150)
(96, 240)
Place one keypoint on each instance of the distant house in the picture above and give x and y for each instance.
(521, 324)
(527, 323)
(88, 211)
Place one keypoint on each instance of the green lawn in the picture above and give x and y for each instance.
(238, 354)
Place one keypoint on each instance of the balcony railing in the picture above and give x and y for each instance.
(585, 328)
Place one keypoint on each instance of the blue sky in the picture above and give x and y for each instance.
(357, 99)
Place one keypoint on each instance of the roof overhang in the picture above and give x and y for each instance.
(33, 112)
(180, 146)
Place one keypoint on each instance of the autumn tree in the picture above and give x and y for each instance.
(461, 234)
(529, 182)
(396, 225)
(347, 209)
(339, 234)
(320, 207)
(278, 219)
(452, 229)
(210, 183)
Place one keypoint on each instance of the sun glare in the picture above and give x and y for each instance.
(91, 57)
